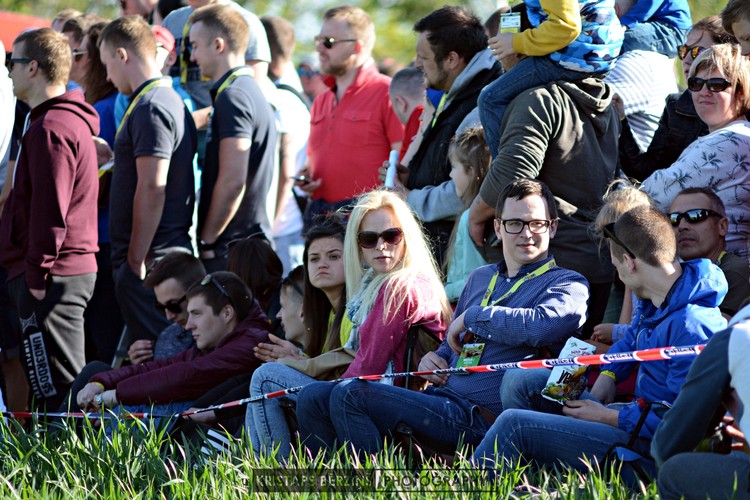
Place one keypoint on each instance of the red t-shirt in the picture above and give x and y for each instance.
(349, 140)
(411, 129)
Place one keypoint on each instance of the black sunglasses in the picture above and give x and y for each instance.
(515, 226)
(695, 84)
(369, 239)
(17, 60)
(609, 233)
(692, 216)
(684, 50)
(328, 41)
(173, 306)
(209, 278)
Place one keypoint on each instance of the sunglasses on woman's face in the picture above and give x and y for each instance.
(695, 84)
(684, 50)
(369, 239)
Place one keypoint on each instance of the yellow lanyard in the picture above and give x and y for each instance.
(243, 71)
(439, 109)
(721, 256)
(534, 274)
(184, 61)
(161, 82)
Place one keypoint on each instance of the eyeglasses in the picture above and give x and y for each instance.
(609, 233)
(210, 278)
(684, 50)
(692, 216)
(328, 41)
(695, 84)
(369, 239)
(78, 54)
(173, 306)
(515, 226)
(17, 60)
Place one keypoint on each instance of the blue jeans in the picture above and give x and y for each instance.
(366, 412)
(172, 409)
(549, 440)
(264, 420)
(530, 72)
(522, 390)
(654, 36)
(702, 475)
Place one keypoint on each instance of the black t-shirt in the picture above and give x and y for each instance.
(241, 110)
(159, 126)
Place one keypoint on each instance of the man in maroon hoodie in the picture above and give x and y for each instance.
(48, 232)
(227, 324)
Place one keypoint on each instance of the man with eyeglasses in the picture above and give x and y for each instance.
(700, 223)
(525, 306)
(48, 233)
(678, 307)
(227, 324)
(353, 126)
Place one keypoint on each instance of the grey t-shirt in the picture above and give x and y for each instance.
(159, 126)
(257, 49)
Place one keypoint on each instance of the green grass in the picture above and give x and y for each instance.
(60, 463)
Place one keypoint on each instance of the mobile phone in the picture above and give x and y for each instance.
(301, 178)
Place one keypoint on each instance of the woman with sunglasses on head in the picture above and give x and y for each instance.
(679, 125)
(719, 81)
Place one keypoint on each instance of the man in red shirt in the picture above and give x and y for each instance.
(353, 126)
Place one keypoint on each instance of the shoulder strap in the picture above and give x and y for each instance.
(300, 96)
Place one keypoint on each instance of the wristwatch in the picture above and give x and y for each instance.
(99, 400)
(202, 245)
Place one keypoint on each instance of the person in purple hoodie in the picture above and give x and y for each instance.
(48, 230)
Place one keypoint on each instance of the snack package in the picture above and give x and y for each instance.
(566, 383)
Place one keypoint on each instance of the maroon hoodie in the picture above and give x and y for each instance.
(49, 223)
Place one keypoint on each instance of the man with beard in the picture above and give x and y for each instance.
(353, 126)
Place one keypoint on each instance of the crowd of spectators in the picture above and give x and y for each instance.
(175, 187)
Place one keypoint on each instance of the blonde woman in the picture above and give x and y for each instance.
(393, 283)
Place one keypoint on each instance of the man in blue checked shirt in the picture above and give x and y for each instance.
(507, 312)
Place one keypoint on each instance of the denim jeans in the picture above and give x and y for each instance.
(264, 420)
(654, 36)
(702, 475)
(530, 72)
(172, 409)
(549, 440)
(363, 413)
(522, 390)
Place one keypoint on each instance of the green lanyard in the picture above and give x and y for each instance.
(183, 61)
(534, 274)
(439, 109)
(243, 71)
(721, 256)
(161, 82)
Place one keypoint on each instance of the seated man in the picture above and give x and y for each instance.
(678, 307)
(169, 279)
(226, 323)
(700, 224)
(715, 384)
(512, 309)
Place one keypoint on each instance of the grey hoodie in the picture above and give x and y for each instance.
(564, 134)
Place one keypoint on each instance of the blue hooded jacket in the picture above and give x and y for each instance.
(689, 315)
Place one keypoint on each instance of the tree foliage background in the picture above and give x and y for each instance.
(393, 18)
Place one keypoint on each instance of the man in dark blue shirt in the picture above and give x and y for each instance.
(506, 312)
(241, 139)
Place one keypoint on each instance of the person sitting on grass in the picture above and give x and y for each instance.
(678, 307)
(226, 323)
(514, 309)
